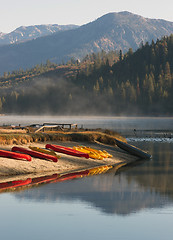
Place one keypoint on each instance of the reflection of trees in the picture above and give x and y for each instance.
(133, 189)
(156, 175)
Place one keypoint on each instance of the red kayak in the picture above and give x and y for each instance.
(19, 156)
(14, 184)
(35, 153)
(67, 150)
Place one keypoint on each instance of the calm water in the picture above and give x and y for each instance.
(116, 123)
(134, 203)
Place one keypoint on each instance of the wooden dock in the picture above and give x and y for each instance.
(56, 126)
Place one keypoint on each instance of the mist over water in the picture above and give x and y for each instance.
(106, 122)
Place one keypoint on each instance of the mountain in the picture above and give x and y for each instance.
(113, 31)
(23, 33)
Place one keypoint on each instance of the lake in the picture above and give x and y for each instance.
(134, 203)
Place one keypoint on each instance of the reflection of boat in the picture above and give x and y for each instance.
(67, 150)
(19, 156)
(70, 176)
(99, 170)
(45, 179)
(59, 177)
(35, 154)
(132, 149)
(14, 184)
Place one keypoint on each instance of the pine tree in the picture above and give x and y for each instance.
(168, 78)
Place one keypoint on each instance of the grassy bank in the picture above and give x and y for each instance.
(106, 137)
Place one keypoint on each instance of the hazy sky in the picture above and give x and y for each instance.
(16, 13)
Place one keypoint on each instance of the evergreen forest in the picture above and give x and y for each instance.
(132, 83)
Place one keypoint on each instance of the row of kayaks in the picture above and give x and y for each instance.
(50, 152)
(93, 153)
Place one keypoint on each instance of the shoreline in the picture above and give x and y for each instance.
(14, 168)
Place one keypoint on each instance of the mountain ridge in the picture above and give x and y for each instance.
(26, 33)
(112, 31)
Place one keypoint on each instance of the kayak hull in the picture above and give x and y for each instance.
(35, 154)
(66, 150)
(18, 156)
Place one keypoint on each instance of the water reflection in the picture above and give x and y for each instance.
(147, 185)
(115, 123)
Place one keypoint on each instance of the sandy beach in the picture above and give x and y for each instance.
(13, 169)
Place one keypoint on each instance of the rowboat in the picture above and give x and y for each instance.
(67, 150)
(132, 149)
(35, 154)
(19, 156)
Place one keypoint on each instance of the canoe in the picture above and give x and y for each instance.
(132, 149)
(19, 156)
(35, 154)
(67, 150)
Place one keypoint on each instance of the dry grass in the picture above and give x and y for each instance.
(106, 137)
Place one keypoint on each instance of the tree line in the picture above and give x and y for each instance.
(141, 81)
(102, 83)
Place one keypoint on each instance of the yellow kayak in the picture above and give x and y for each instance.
(42, 150)
(93, 153)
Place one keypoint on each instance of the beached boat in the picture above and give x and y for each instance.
(43, 150)
(19, 156)
(67, 150)
(35, 154)
(93, 153)
(132, 149)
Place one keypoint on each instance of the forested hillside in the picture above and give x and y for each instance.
(140, 81)
(103, 83)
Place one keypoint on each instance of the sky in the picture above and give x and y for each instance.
(16, 13)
